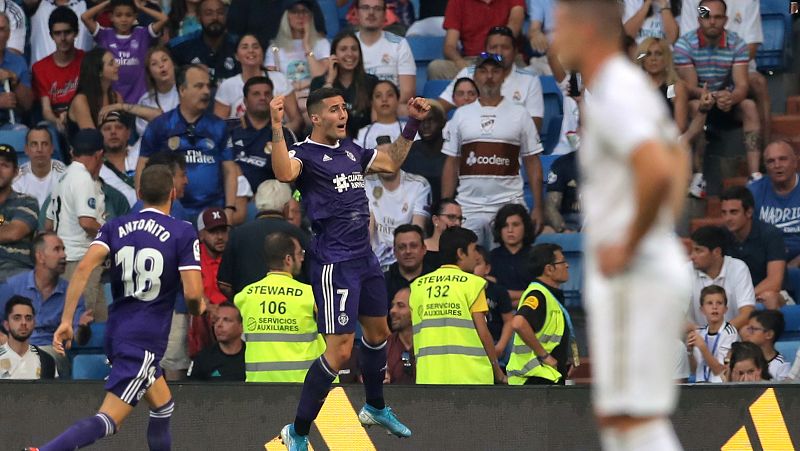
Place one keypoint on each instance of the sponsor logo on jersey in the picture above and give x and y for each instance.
(494, 160)
(198, 157)
(786, 219)
(343, 182)
(325, 157)
(350, 155)
(487, 124)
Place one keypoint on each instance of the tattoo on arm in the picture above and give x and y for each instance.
(277, 134)
(551, 210)
(398, 150)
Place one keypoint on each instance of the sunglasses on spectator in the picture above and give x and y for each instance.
(494, 56)
(453, 217)
(502, 30)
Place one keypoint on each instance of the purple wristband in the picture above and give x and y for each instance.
(410, 130)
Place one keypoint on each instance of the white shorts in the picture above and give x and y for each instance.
(482, 222)
(634, 321)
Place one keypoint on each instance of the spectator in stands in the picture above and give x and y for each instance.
(99, 71)
(710, 266)
(468, 23)
(715, 61)
(444, 214)
(346, 73)
(17, 25)
(386, 126)
(119, 168)
(38, 176)
(400, 362)
(409, 249)
(78, 209)
(16, 96)
(300, 50)
(46, 288)
(177, 165)
(464, 91)
(386, 55)
(41, 42)
(562, 208)
(19, 359)
(212, 46)
(758, 244)
(656, 60)
(55, 76)
(763, 330)
(540, 30)
(518, 86)
(244, 261)
(710, 344)
(229, 103)
(263, 18)
(777, 196)
(430, 20)
(425, 157)
(213, 230)
(395, 199)
(747, 364)
(513, 231)
(126, 41)
(644, 19)
(204, 140)
(500, 313)
(19, 218)
(183, 18)
(484, 151)
(222, 360)
(162, 94)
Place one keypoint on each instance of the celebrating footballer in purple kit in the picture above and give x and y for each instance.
(150, 253)
(328, 169)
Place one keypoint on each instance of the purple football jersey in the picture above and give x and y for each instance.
(331, 183)
(147, 250)
(130, 52)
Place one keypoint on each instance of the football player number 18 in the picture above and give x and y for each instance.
(141, 272)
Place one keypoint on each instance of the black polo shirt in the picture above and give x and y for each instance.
(499, 303)
(763, 245)
(511, 270)
(249, 146)
(211, 364)
(192, 49)
(396, 282)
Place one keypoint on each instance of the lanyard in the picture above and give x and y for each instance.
(706, 369)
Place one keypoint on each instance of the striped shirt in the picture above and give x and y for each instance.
(713, 64)
(15, 256)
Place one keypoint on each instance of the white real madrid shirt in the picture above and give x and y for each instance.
(230, 92)
(28, 183)
(520, 87)
(20, 367)
(388, 58)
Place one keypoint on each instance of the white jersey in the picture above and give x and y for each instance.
(230, 92)
(14, 366)
(388, 58)
(28, 183)
(569, 125)
(744, 19)
(390, 209)
(113, 180)
(734, 277)
(76, 194)
(652, 27)
(489, 142)
(719, 345)
(163, 101)
(17, 24)
(293, 62)
(41, 42)
(367, 136)
(521, 87)
(779, 368)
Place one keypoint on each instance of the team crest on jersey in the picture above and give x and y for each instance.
(487, 124)
(350, 155)
(268, 148)
(517, 96)
(405, 207)
(229, 63)
(377, 192)
(173, 143)
(738, 18)
(92, 203)
(196, 250)
(292, 153)
(343, 319)
(552, 177)
(134, 44)
(207, 143)
(386, 59)
(251, 323)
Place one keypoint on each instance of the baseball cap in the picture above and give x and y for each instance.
(486, 57)
(117, 116)
(8, 152)
(307, 3)
(272, 195)
(211, 218)
(87, 141)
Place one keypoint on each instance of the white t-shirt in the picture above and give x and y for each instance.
(388, 58)
(653, 26)
(744, 19)
(165, 102)
(521, 87)
(625, 112)
(230, 92)
(734, 277)
(41, 42)
(394, 208)
(682, 368)
(569, 124)
(719, 344)
(28, 183)
(113, 180)
(293, 62)
(489, 142)
(17, 24)
(14, 366)
(779, 368)
(367, 135)
(76, 194)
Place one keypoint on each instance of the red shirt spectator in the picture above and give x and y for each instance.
(55, 82)
(473, 19)
(209, 266)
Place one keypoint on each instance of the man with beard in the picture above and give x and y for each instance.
(120, 159)
(212, 46)
(202, 138)
(18, 358)
(18, 218)
(212, 229)
(483, 151)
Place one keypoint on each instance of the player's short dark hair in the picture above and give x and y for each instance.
(501, 30)
(713, 289)
(409, 228)
(705, 2)
(259, 80)
(711, 237)
(277, 246)
(16, 300)
(315, 99)
(505, 212)
(155, 184)
(233, 306)
(540, 256)
(180, 75)
(172, 160)
(740, 193)
(770, 320)
(38, 128)
(386, 82)
(453, 239)
(39, 241)
(63, 14)
(117, 3)
(744, 350)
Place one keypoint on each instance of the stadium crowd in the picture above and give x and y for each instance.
(103, 90)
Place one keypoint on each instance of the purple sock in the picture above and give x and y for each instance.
(315, 389)
(373, 370)
(83, 433)
(158, 436)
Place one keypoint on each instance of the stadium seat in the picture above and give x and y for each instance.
(331, 13)
(425, 49)
(793, 282)
(791, 315)
(433, 88)
(16, 139)
(788, 349)
(90, 367)
(553, 113)
(776, 22)
(572, 245)
(95, 343)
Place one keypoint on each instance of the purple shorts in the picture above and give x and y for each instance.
(343, 291)
(133, 371)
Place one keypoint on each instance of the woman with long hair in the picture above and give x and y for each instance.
(747, 363)
(346, 73)
(99, 71)
(229, 103)
(162, 94)
(183, 18)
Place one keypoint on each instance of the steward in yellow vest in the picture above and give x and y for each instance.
(541, 343)
(280, 325)
(452, 343)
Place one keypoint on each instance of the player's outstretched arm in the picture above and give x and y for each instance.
(389, 160)
(286, 169)
(193, 291)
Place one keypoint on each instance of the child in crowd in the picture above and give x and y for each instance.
(127, 42)
(747, 364)
(711, 343)
(500, 311)
(763, 330)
